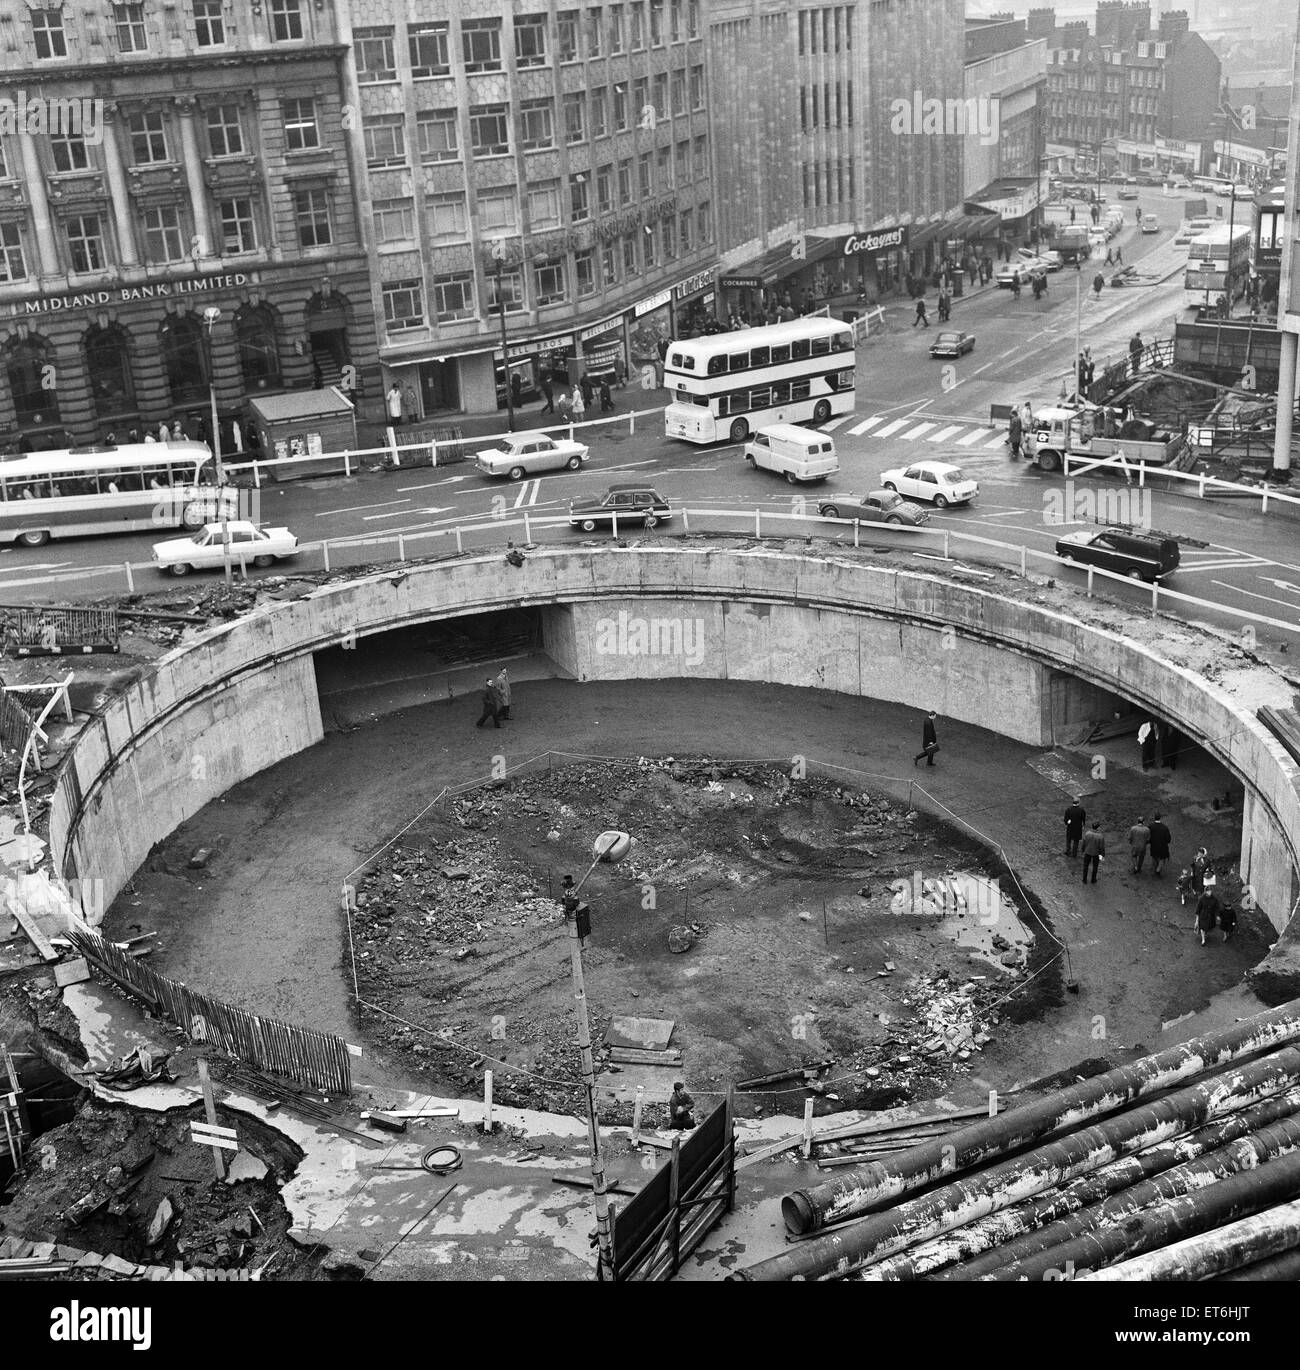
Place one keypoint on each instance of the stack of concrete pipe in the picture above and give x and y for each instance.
(1184, 1165)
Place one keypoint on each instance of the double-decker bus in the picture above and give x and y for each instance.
(1218, 264)
(727, 385)
(132, 488)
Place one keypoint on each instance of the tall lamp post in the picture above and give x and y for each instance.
(608, 847)
(499, 259)
(210, 317)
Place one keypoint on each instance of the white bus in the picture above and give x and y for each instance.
(729, 384)
(133, 488)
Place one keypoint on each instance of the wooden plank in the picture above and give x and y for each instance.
(628, 1056)
(210, 1108)
(577, 1182)
(74, 972)
(764, 1153)
(34, 935)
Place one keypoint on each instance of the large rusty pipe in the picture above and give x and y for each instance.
(976, 1245)
(1211, 1253)
(839, 1252)
(860, 1189)
(1126, 1213)
(1285, 1267)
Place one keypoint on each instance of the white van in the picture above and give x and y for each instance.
(799, 454)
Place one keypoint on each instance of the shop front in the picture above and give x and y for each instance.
(872, 264)
(695, 305)
(793, 278)
(603, 351)
(649, 331)
(552, 358)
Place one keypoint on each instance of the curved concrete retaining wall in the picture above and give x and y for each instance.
(244, 696)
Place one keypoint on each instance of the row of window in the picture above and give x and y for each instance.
(132, 481)
(827, 105)
(825, 31)
(831, 181)
(429, 46)
(107, 356)
(167, 234)
(752, 358)
(284, 18)
(767, 396)
(454, 294)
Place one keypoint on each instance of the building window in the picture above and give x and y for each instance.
(701, 158)
(429, 51)
(498, 210)
(530, 40)
(376, 59)
(704, 221)
(29, 364)
(697, 87)
(643, 175)
(385, 140)
(438, 135)
(575, 116)
(568, 41)
(286, 20)
(69, 152)
(209, 23)
(664, 168)
(148, 138)
(629, 255)
(640, 103)
(454, 296)
(584, 264)
(162, 234)
(448, 219)
(579, 202)
(620, 109)
(86, 243)
(668, 228)
(636, 13)
(311, 212)
(108, 363)
(183, 354)
(656, 23)
(688, 231)
(489, 130)
(608, 270)
(258, 343)
(238, 229)
(625, 182)
(47, 32)
(403, 304)
(128, 20)
(616, 28)
(682, 162)
(13, 266)
(651, 247)
(548, 282)
(300, 132)
(394, 221)
(605, 190)
(598, 126)
(507, 287)
(225, 133)
(544, 206)
(679, 93)
(536, 124)
(480, 41)
(693, 18)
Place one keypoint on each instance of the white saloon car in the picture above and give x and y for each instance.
(937, 482)
(522, 454)
(202, 550)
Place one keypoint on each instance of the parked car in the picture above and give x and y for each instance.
(522, 454)
(1024, 272)
(630, 504)
(938, 482)
(950, 343)
(204, 548)
(1150, 224)
(1127, 192)
(1143, 556)
(880, 506)
(1048, 258)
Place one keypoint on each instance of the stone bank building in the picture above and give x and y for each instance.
(211, 169)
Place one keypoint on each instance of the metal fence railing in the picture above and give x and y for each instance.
(62, 631)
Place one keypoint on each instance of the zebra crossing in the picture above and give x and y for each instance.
(915, 429)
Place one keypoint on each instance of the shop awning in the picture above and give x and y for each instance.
(979, 225)
(779, 262)
(927, 233)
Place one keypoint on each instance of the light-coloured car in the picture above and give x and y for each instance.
(523, 454)
(1021, 272)
(1045, 257)
(937, 482)
(204, 549)
(1150, 224)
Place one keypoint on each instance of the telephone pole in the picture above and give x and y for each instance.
(1288, 313)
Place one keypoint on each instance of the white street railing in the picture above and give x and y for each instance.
(1203, 483)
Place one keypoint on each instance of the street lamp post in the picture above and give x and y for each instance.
(210, 317)
(609, 847)
(499, 257)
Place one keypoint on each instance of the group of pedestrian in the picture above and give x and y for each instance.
(572, 407)
(1020, 432)
(1086, 370)
(496, 700)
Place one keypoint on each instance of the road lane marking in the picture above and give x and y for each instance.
(892, 427)
(359, 508)
(920, 430)
(995, 442)
(835, 423)
(1242, 563)
(1236, 590)
(522, 497)
(35, 566)
(973, 437)
(944, 433)
(537, 490)
(865, 425)
(446, 480)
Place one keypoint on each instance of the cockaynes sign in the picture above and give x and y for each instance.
(872, 244)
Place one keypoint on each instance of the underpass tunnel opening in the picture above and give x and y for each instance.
(439, 660)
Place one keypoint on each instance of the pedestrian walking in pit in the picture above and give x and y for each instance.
(1207, 915)
(1135, 346)
(1098, 284)
(1075, 817)
(680, 1105)
(491, 705)
(1093, 847)
(503, 693)
(1227, 920)
(1161, 840)
(1200, 866)
(921, 317)
(929, 741)
(1139, 839)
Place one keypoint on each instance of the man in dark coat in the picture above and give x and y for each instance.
(1207, 915)
(1161, 841)
(491, 705)
(1074, 820)
(680, 1105)
(1135, 346)
(588, 390)
(1094, 852)
(1015, 432)
(929, 741)
(548, 394)
(1139, 839)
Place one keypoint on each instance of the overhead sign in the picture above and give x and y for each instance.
(886, 240)
(693, 284)
(741, 283)
(598, 328)
(132, 294)
(654, 302)
(542, 345)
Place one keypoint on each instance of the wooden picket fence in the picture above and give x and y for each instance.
(303, 1054)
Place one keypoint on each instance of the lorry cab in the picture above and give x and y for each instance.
(798, 454)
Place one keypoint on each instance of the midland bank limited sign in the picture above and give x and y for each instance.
(886, 240)
(131, 294)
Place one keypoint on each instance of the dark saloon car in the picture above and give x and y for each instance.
(629, 504)
(952, 344)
